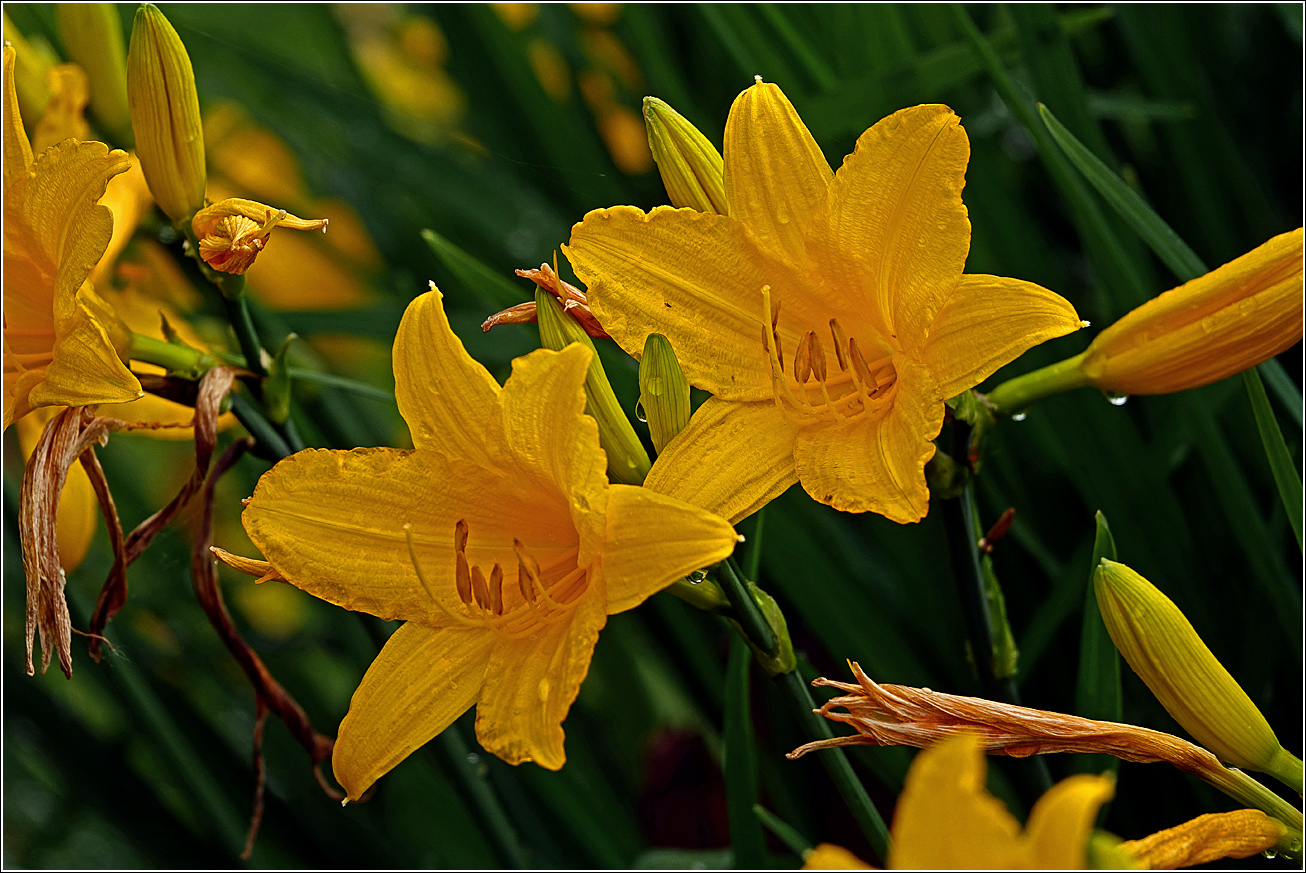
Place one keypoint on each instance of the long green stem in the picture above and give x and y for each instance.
(1016, 395)
(747, 611)
(837, 765)
(243, 326)
(172, 357)
(272, 446)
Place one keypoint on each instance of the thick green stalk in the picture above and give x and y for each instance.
(747, 612)
(170, 356)
(1016, 395)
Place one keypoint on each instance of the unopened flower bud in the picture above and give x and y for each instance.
(691, 167)
(33, 59)
(663, 390)
(165, 114)
(92, 35)
(1161, 646)
(627, 460)
(232, 232)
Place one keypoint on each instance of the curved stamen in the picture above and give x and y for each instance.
(465, 621)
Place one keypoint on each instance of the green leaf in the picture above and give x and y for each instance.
(1097, 690)
(494, 289)
(1276, 451)
(741, 761)
(1176, 254)
(1281, 384)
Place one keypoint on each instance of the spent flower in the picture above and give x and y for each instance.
(232, 232)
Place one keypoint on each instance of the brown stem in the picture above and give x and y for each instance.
(114, 593)
(260, 777)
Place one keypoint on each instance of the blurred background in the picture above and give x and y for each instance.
(495, 128)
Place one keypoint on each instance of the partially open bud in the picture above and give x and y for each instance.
(691, 167)
(232, 232)
(165, 114)
(627, 460)
(1167, 654)
(92, 35)
(663, 390)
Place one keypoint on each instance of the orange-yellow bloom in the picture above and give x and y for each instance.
(827, 312)
(63, 345)
(947, 820)
(498, 539)
(232, 232)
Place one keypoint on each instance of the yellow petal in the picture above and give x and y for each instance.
(877, 464)
(332, 523)
(1234, 317)
(17, 150)
(653, 540)
(86, 369)
(986, 323)
(731, 459)
(553, 442)
(946, 819)
(1062, 819)
(892, 235)
(531, 684)
(1238, 834)
(447, 398)
(65, 116)
(419, 684)
(828, 856)
(690, 276)
(774, 174)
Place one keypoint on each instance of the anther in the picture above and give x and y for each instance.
(479, 588)
(860, 368)
(528, 571)
(463, 578)
(840, 343)
(803, 359)
(818, 357)
(496, 590)
(460, 535)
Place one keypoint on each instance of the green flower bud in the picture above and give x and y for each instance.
(627, 460)
(92, 36)
(1161, 646)
(165, 115)
(663, 390)
(691, 167)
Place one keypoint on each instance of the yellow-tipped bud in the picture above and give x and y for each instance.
(165, 115)
(1217, 325)
(92, 35)
(627, 460)
(663, 390)
(691, 167)
(232, 232)
(1161, 646)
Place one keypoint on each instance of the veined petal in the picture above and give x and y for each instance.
(530, 684)
(892, 233)
(946, 819)
(332, 523)
(690, 276)
(79, 510)
(653, 540)
(448, 399)
(731, 459)
(1062, 819)
(775, 172)
(421, 682)
(553, 441)
(85, 369)
(987, 322)
(877, 464)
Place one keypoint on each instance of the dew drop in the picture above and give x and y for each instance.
(473, 759)
(639, 411)
(544, 690)
(1270, 853)
(655, 386)
(1020, 416)
(697, 576)
(1116, 398)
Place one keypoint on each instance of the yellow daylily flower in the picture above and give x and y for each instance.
(497, 539)
(947, 820)
(63, 345)
(828, 856)
(827, 312)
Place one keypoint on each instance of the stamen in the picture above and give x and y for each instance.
(840, 343)
(480, 589)
(817, 357)
(803, 359)
(463, 578)
(496, 590)
(460, 535)
(430, 592)
(861, 370)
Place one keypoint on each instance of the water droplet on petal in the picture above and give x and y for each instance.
(639, 411)
(1116, 398)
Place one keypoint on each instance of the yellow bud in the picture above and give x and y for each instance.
(92, 36)
(165, 114)
(33, 59)
(691, 167)
(627, 460)
(663, 390)
(1161, 646)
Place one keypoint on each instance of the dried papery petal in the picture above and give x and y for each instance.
(573, 301)
(65, 438)
(1207, 838)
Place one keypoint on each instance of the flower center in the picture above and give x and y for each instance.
(810, 390)
(543, 595)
